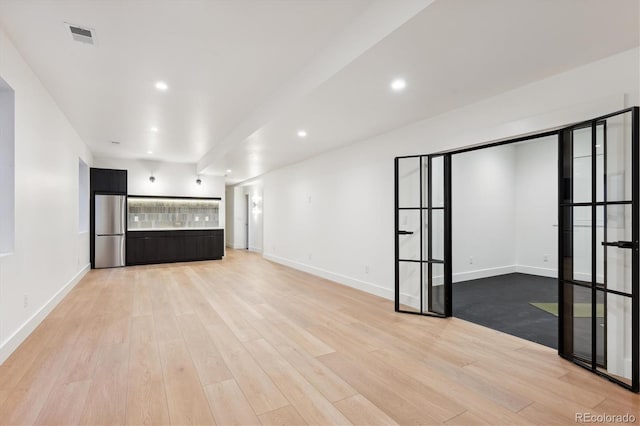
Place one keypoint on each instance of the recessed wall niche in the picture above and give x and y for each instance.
(7, 167)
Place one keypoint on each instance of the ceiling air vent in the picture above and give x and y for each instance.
(81, 34)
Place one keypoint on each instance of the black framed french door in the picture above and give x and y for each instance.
(423, 235)
(599, 321)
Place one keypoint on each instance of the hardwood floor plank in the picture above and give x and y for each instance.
(360, 411)
(146, 397)
(554, 405)
(177, 298)
(229, 404)
(65, 404)
(142, 304)
(299, 335)
(106, 399)
(326, 381)
(285, 416)
(116, 330)
(469, 418)
(206, 357)
(185, 396)
(259, 389)
(383, 391)
(27, 398)
(25, 356)
(167, 329)
(310, 403)
(229, 312)
(488, 401)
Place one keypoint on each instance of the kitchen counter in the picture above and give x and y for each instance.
(174, 245)
(173, 229)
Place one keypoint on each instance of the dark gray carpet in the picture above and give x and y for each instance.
(503, 303)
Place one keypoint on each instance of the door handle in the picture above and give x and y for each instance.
(405, 232)
(619, 244)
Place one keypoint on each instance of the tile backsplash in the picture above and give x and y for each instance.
(172, 213)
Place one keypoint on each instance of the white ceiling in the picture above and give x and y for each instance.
(219, 58)
(245, 76)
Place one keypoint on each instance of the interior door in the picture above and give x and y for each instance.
(598, 246)
(422, 235)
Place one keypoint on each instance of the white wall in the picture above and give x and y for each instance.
(483, 210)
(84, 196)
(49, 255)
(332, 215)
(536, 236)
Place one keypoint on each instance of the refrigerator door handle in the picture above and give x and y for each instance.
(123, 260)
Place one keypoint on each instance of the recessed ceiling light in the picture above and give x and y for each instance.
(154, 129)
(115, 142)
(149, 152)
(228, 170)
(302, 133)
(597, 146)
(398, 85)
(161, 85)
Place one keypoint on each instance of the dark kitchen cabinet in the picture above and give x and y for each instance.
(108, 181)
(147, 247)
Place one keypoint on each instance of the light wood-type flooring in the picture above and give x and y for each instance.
(246, 341)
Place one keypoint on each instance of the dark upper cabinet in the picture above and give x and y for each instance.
(108, 181)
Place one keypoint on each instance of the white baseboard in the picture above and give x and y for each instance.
(256, 249)
(483, 273)
(12, 342)
(534, 270)
(339, 278)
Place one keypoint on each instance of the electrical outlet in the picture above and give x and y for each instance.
(366, 269)
(309, 199)
(545, 258)
(26, 301)
(470, 260)
(309, 256)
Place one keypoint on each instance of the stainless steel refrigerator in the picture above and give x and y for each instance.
(110, 230)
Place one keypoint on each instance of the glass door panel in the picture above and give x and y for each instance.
(599, 301)
(614, 338)
(409, 235)
(581, 164)
(423, 275)
(578, 307)
(618, 157)
(410, 287)
(408, 188)
(437, 237)
(437, 182)
(581, 244)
